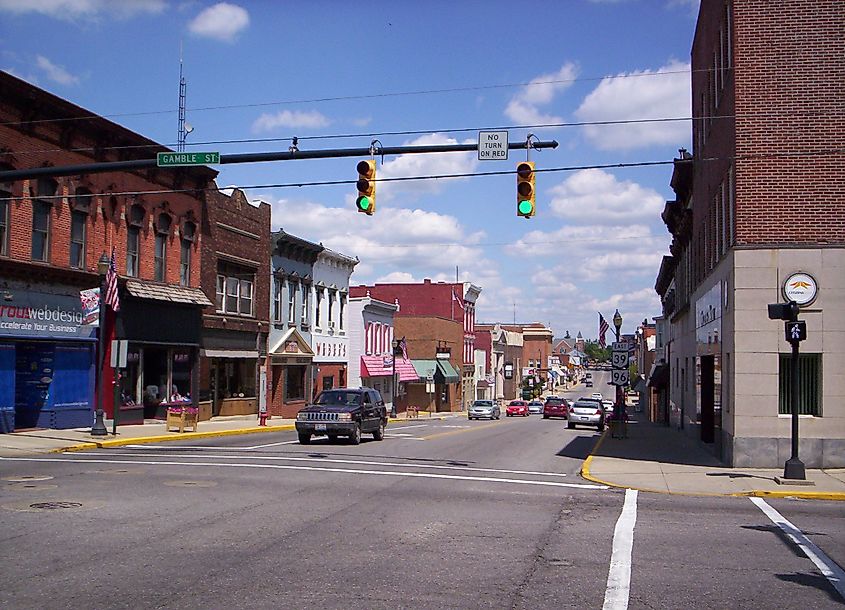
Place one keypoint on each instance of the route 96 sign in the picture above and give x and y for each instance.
(619, 377)
(619, 360)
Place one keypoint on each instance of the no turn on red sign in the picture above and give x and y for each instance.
(492, 145)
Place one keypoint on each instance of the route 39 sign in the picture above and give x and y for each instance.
(619, 360)
(619, 377)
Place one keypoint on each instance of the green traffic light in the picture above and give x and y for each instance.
(363, 203)
(524, 207)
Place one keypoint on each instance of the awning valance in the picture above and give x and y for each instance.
(228, 353)
(658, 377)
(382, 366)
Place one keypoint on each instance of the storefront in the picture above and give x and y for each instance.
(330, 362)
(377, 372)
(290, 377)
(47, 358)
(229, 372)
(163, 327)
(438, 387)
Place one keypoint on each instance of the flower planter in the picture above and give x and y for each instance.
(181, 418)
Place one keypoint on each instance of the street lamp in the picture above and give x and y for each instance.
(99, 428)
(396, 349)
(619, 407)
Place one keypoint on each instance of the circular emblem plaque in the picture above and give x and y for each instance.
(801, 288)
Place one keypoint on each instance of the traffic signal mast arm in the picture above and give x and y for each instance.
(287, 155)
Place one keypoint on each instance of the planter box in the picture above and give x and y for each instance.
(131, 414)
(181, 418)
(205, 410)
(239, 406)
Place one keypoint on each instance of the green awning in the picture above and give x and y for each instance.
(450, 375)
(425, 368)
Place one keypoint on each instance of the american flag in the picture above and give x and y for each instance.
(603, 328)
(111, 285)
(403, 345)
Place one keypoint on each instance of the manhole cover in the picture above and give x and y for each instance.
(28, 477)
(190, 483)
(55, 505)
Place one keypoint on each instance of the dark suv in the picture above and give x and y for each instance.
(343, 412)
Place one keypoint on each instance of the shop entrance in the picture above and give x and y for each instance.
(155, 379)
(710, 399)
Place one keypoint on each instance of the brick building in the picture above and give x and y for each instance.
(447, 300)
(761, 198)
(55, 229)
(235, 268)
(506, 360)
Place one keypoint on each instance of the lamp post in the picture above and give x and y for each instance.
(619, 408)
(99, 428)
(395, 348)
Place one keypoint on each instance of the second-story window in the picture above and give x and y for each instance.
(162, 233)
(78, 227)
(291, 319)
(133, 240)
(41, 209)
(234, 289)
(331, 308)
(319, 307)
(188, 232)
(340, 317)
(5, 193)
(305, 291)
(277, 300)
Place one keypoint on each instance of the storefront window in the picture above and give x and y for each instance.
(180, 388)
(236, 378)
(130, 392)
(294, 383)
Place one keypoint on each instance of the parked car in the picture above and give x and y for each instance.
(587, 412)
(608, 408)
(589, 375)
(346, 412)
(535, 407)
(555, 407)
(517, 407)
(588, 383)
(597, 395)
(484, 408)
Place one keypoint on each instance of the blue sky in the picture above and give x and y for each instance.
(335, 73)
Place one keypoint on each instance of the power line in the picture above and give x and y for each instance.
(339, 98)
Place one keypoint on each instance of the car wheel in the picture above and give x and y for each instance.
(545, 416)
(355, 437)
(570, 425)
(304, 438)
(378, 433)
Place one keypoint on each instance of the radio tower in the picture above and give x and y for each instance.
(183, 130)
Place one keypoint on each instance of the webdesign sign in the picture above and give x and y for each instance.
(42, 315)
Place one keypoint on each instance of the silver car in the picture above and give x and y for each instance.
(484, 409)
(586, 412)
(535, 407)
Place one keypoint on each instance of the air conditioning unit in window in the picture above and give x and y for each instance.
(331, 324)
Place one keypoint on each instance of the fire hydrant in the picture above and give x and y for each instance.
(262, 418)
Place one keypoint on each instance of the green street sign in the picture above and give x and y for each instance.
(175, 159)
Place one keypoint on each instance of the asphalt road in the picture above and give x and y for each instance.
(441, 514)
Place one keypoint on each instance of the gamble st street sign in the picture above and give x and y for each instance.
(176, 159)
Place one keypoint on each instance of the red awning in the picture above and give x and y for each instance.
(381, 366)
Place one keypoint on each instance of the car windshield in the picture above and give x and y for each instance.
(338, 397)
(517, 403)
(483, 403)
(584, 405)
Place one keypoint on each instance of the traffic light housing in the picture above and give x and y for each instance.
(366, 200)
(525, 191)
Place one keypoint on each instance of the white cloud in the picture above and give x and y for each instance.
(56, 73)
(223, 21)
(642, 94)
(424, 164)
(69, 10)
(290, 118)
(541, 91)
(593, 195)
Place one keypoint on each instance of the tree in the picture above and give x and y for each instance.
(596, 352)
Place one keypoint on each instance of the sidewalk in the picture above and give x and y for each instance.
(660, 459)
(42, 441)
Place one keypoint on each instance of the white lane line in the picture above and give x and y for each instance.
(831, 570)
(619, 575)
(286, 458)
(387, 473)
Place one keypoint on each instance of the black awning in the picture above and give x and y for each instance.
(658, 377)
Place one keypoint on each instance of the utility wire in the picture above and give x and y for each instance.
(339, 98)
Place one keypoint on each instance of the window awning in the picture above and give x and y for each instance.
(382, 366)
(166, 292)
(228, 353)
(658, 377)
(450, 375)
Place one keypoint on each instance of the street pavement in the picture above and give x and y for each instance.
(444, 513)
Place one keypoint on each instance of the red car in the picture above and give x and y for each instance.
(556, 407)
(517, 407)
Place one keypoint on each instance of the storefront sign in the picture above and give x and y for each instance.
(292, 347)
(801, 288)
(42, 315)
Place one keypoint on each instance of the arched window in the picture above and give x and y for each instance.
(162, 233)
(133, 239)
(42, 206)
(188, 233)
(80, 205)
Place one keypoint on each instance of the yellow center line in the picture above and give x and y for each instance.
(439, 434)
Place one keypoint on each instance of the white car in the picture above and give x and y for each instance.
(597, 395)
(608, 407)
(484, 408)
(535, 407)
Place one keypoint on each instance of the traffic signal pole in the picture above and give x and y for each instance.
(286, 155)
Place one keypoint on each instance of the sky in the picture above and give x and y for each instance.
(607, 79)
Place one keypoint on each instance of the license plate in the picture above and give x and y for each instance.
(320, 427)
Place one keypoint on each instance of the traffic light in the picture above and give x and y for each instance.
(525, 204)
(366, 201)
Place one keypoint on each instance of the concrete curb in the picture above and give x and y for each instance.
(178, 436)
(756, 493)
